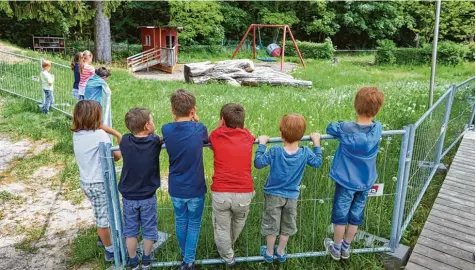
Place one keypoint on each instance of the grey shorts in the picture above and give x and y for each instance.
(279, 216)
(97, 196)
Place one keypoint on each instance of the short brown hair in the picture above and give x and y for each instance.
(45, 63)
(292, 127)
(182, 102)
(368, 101)
(234, 115)
(87, 115)
(136, 118)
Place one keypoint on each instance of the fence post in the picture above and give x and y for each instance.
(406, 175)
(105, 155)
(43, 97)
(396, 205)
(471, 118)
(444, 127)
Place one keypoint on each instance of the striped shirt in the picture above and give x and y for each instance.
(88, 72)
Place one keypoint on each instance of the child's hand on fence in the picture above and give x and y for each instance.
(263, 139)
(316, 139)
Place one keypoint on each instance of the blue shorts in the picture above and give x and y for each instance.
(143, 214)
(348, 206)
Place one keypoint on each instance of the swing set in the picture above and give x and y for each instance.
(273, 48)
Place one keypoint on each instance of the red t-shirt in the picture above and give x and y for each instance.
(233, 151)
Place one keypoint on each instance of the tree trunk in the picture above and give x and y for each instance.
(102, 35)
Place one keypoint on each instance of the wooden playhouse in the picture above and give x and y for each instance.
(159, 49)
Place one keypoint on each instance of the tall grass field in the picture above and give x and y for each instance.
(330, 99)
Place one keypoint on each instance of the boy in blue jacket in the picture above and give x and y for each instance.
(354, 169)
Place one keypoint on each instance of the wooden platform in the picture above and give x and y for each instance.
(447, 240)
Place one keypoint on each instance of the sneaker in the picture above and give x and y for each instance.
(281, 258)
(230, 263)
(108, 256)
(99, 242)
(345, 253)
(329, 245)
(146, 262)
(134, 263)
(267, 258)
(186, 266)
(183, 266)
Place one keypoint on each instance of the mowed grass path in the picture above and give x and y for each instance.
(331, 99)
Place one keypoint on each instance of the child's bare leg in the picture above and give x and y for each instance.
(283, 242)
(148, 244)
(350, 233)
(105, 236)
(270, 240)
(339, 231)
(131, 243)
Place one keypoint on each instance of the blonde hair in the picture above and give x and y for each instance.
(45, 63)
(86, 53)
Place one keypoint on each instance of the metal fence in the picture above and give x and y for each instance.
(20, 76)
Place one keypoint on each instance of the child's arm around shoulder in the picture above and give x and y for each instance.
(314, 159)
(263, 158)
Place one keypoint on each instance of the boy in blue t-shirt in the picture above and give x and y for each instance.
(140, 179)
(354, 169)
(282, 186)
(184, 139)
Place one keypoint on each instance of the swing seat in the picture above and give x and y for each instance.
(267, 59)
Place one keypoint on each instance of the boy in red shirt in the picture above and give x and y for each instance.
(232, 187)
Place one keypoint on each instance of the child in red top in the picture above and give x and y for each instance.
(232, 187)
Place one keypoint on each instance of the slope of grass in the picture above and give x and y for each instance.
(331, 99)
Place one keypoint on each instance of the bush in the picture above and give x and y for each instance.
(385, 52)
(470, 55)
(311, 50)
(449, 53)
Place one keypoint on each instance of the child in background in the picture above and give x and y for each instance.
(185, 138)
(75, 64)
(140, 179)
(354, 169)
(86, 70)
(232, 187)
(88, 133)
(281, 190)
(47, 81)
(97, 89)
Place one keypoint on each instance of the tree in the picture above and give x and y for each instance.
(102, 35)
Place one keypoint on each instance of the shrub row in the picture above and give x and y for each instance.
(311, 50)
(449, 53)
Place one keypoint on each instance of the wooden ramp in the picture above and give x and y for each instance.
(447, 240)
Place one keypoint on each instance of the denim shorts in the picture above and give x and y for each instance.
(348, 206)
(140, 214)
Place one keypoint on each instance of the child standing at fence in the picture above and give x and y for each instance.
(140, 179)
(86, 70)
(281, 190)
(75, 64)
(47, 81)
(185, 138)
(88, 133)
(97, 89)
(354, 169)
(232, 187)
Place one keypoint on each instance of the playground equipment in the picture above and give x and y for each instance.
(273, 48)
(159, 49)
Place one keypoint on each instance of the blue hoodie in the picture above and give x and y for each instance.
(355, 161)
(97, 89)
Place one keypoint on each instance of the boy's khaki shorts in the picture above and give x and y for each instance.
(279, 216)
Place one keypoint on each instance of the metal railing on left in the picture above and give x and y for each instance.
(20, 76)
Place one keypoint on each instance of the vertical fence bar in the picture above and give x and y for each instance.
(105, 155)
(406, 175)
(43, 97)
(398, 194)
(471, 118)
(444, 127)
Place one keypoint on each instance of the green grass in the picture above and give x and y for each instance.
(331, 99)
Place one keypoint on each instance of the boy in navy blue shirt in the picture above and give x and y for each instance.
(140, 179)
(282, 186)
(184, 139)
(354, 169)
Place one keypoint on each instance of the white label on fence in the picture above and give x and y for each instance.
(376, 190)
(34, 78)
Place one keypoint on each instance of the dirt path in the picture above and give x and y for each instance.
(36, 222)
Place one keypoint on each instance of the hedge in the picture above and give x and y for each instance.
(449, 53)
(311, 50)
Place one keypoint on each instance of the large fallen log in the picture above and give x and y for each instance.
(239, 72)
